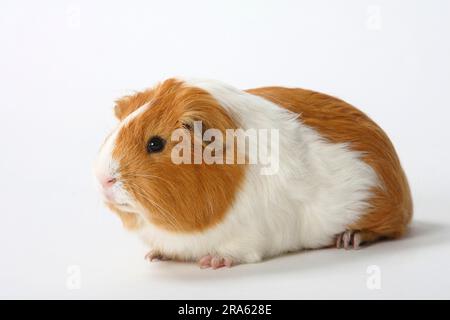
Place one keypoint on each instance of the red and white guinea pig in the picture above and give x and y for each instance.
(338, 181)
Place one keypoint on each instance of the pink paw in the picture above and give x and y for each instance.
(154, 255)
(214, 262)
(348, 239)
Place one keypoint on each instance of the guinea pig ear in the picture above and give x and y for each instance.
(127, 104)
(193, 125)
(209, 114)
(199, 118)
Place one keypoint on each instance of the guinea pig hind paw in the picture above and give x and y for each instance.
(349, 240)
(214, 262)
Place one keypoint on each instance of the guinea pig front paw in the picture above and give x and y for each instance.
(155, 255)
(214, 262)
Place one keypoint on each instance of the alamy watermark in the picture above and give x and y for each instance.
(234, 146)
(374, 19)
(73, 17)
(73, 280)
(373, 281)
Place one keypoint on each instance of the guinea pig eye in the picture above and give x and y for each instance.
(155, 144)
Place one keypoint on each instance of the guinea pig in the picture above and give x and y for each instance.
(337, 180)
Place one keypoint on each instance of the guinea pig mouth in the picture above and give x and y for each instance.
(122, 204)
(118, 204)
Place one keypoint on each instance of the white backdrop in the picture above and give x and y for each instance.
(62, 64)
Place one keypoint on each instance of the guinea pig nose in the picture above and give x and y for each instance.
(108, 182)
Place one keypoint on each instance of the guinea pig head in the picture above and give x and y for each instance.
(137, 174)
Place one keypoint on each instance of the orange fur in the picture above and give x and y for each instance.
(391, 206)
(126, 105)
(129, 220)
(185, 197)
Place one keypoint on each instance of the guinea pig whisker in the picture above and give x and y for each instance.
(154, 177)
(164, 212)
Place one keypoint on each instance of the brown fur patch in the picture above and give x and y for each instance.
(184, 197)
(391, 206)
(126, 105)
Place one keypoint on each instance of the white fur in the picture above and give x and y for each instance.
(107, 166)
(320, 189)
